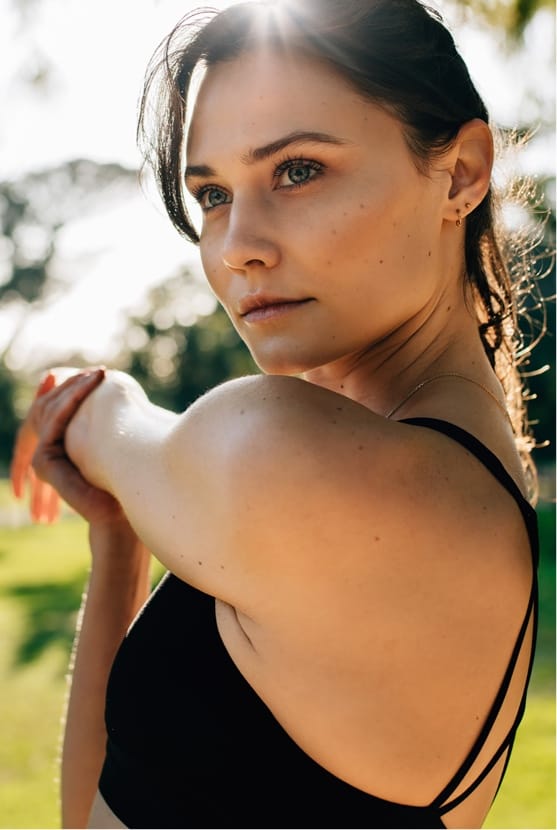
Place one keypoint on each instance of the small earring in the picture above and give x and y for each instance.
(459, 220)
(468, 205)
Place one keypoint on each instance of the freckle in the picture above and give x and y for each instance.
(342, 385)
(334, 233)
(377, 538)
(380, 262)
(362, 207)
(173, 516)
(222, 567)
(361, 446)
(199, 562)
(334, 421)
(449, 307)
(429, 253)
(329, 262)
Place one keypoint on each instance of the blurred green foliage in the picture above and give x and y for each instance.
(176, 362)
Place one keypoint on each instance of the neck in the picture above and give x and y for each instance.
(382, 375)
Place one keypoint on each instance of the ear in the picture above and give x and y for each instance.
(471, 163)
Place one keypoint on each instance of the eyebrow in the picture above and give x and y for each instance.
(268, 150)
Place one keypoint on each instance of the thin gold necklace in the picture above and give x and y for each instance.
(449, 375)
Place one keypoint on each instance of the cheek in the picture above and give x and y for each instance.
(382, 234)
(212, 268)
(354, 237)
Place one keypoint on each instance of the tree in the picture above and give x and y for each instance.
(34, 209)
(178, 353)
(510, 16)
(8, 416)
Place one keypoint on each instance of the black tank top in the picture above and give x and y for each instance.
(190, 744)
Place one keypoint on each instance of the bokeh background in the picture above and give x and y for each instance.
(92, 271)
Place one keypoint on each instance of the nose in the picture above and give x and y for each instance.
(249, 242)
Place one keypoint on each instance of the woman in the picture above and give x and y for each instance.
(346, 633)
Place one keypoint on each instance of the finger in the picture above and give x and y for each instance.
(46, 384)
(46, 507)
(17, 476)
(37, 500)
(59, 408)
(68, 482)
(53, 506)
(63, 373)
(25, 445)
(49, 393)
(53, 410)
(26, 442)
(67, 381)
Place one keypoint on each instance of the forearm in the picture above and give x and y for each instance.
(116, 432)
(118, 587)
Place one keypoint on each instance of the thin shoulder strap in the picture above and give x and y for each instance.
(486, 457)
(492, 463)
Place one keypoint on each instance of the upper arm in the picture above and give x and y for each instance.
(271, 489)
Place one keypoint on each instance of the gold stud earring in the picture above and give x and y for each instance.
(468, 205)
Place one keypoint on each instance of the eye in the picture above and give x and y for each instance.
(210, 196)
(297, 172)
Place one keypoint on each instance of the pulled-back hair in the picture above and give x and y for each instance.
(397, 54)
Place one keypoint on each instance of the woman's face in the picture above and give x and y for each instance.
(320, 237)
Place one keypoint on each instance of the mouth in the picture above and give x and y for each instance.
(263, 307)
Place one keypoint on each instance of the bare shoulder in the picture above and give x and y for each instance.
(311, 481)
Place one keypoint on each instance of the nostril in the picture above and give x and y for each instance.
(245, 264)
(241, 252)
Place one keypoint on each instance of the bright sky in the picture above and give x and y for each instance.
(97, 51)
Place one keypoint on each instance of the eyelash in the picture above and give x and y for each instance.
(288, 164)
(291, 162)
(199, 191)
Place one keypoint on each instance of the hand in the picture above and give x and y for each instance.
(40, 457)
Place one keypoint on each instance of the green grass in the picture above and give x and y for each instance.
(527, 797)
(42, 574)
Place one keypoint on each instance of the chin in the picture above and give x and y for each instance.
(273, 364)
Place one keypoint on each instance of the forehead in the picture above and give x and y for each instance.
(248, 101)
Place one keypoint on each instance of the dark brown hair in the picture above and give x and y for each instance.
(395, 53)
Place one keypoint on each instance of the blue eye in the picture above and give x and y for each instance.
(297, 172)
(211, 197)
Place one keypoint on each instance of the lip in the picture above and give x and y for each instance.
(262, 306)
